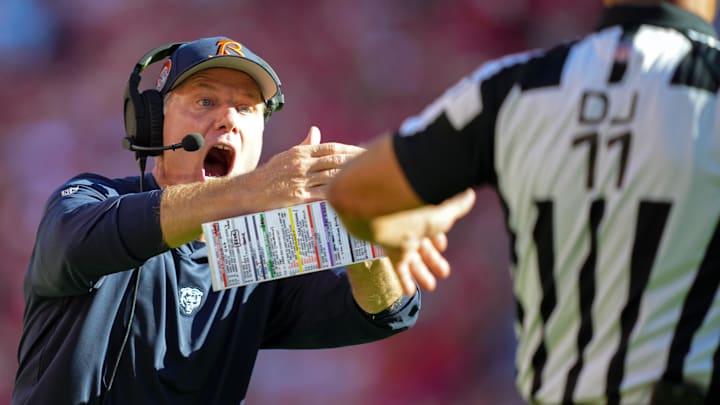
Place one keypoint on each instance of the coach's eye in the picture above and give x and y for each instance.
(205, 102)
(245, 109)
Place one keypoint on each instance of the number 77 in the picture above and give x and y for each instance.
(592, 139)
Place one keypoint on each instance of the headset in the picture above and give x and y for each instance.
(143, 111)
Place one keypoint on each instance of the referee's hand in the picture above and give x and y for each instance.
(414, 240)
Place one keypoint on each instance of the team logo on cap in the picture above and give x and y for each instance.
(163, 76)
(229, 47)
(70, 191)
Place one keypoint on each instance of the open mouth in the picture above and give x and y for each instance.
(218, 161)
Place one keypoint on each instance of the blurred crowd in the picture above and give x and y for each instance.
(354, 69)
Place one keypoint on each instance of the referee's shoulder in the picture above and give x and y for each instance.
(559, 49)
(534, 68)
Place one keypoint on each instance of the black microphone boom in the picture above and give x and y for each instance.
(190, 143)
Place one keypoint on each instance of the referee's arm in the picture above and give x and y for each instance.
(371, 185)
(375, 201)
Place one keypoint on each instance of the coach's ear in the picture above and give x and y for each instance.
(313, 137)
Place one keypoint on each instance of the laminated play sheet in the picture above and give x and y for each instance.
(281, 243)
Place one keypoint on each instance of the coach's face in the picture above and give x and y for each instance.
(226, 108)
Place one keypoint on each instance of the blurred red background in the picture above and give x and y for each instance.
(354, 69)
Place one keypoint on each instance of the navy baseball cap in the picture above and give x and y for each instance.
(193, 57)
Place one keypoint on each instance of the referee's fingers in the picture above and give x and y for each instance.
(449, 211)
(434, 261)
(440, 241)
(402, 270)
(400, 262)
(421, 273)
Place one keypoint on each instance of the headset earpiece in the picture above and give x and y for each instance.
(144, 110)
(276, 102)
(151, 125)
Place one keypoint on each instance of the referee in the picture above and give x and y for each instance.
(605, 152)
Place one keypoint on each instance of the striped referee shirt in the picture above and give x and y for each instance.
(605, 152)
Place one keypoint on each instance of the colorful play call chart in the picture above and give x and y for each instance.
(281, 243)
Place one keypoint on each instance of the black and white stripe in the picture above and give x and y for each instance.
(606, 153)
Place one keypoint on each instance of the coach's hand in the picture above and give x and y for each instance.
(301, 174)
